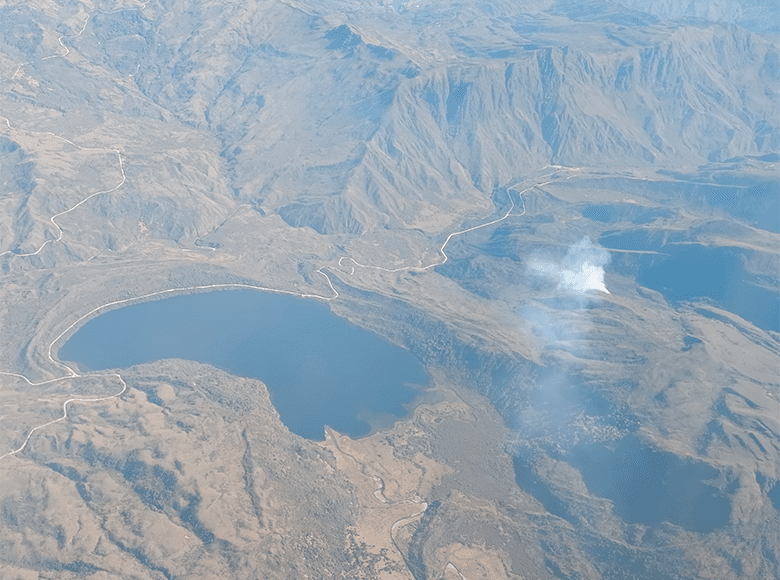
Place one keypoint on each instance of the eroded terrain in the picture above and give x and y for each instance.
(431, 173)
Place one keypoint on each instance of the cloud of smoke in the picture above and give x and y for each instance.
(562, 326)
(581, 270)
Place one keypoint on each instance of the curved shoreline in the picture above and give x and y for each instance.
(71, 373)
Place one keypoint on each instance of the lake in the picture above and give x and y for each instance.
(319, 368)
(646, 486)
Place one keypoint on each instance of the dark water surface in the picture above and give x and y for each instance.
(691, 271)
(320, 369)
(646, 486)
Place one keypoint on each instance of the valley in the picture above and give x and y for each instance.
(447, 177)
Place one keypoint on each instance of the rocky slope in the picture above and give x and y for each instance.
(445, 173)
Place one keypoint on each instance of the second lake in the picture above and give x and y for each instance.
(319, 368)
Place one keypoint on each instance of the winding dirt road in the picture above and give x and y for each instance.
(71, 373)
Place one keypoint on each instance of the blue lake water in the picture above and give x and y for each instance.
(646, 486)
(319, 368)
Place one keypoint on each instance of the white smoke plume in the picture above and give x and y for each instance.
(561, 331)
(581, 270)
